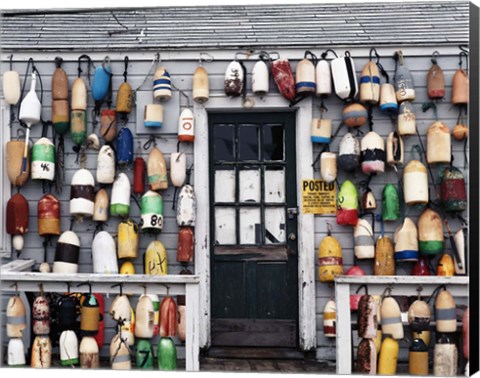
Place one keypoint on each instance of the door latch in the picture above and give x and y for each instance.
(292, 212)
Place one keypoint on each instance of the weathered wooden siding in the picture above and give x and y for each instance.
(181, 72)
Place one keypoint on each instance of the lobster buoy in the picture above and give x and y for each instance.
(17, 215)
(60, 116)
(93, 143)
(157, 170)
(119, 354)
(283, 77)
(139, 167)
(390, 203)
(41, 352)
(106, 165)
(329, 319)
(344, 79)
(127, 268)
(18, 243)
(430, 232)
(305, 77)
(43, 160)
(435, 82)
(152, 211)
(418, 358)
(452, 190)
(156, 313)
(391, 318)
(167, 354)
(89, 353)
(186, 241)
(354, 115)
(321, 131)
(186, 207)
(16, 317)
(460, 132)
(78, 126)
(388, 358)
(445, 266)
(415, 183)
(104, 254)
(328, 166)
(79, 94)
(367, 317)
(66, 253)
(347, 204)
(120, 309)
(144, 315)
(421, 267)
(153, 115)
(368, 202)
(100, 208)
(100, 336)
(41, 316)
(124, 98)
(82, 195)
(388, 99)
(124, 147)
(349, 153)
(234, 79)
(68, 345)
(16, 351)
(404, 85)
(168, 317)
(372, 150)
(364, 245)
(144, 358)
(366, 357)
(17, 174)
(445, 315)
(162, 85)
(407, 120)
(49, 215)
(108, 124)
(11, 87)
(120, 203)
(156, 259)
(127, 239)
(182, 319)
(330, 259)
(406, 241)
(466, 333)
(445, 356)
(459, 239)
(323, 78)
(384, 263)
(68, 307)
(419, 317)
(394, 149)
(460, 88)
(260, 79)
(186, 126)
(178, 168)
(355, 298)
(438, 143)
(370, 84)
(200, 86)
(101, 80)
(89, 315)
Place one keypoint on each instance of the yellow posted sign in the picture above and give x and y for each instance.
(318, 197)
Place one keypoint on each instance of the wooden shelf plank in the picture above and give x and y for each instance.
(408, 280)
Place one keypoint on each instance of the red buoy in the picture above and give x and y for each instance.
(139, 176)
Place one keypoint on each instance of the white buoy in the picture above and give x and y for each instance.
(104, 254)
(106, 165)
(260, 79)
(82, 197)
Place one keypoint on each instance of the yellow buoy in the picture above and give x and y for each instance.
(127, 239)
(387, 364)
(156, 259)
(330, 262)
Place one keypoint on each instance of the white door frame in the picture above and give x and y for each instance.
(306, 248)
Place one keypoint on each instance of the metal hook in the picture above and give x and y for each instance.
(40, 289)
(435, 56)
(168, 289)
(11, 62)
(364, 286)
(68, 287)
(388, 289)
(89, 286)
(329, 229)
(419, 290)
(373, 49)
(144, 289)
(120, 284)
(16, 287)
(158, 58)
(209, 58)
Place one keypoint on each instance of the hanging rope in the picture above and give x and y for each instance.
(155, 61)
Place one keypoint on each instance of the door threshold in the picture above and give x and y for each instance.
(255, 353)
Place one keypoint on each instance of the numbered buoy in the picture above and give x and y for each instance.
(421, 267)
(119, 354)
(330, 319)
(108, 124)
(305, 77)
(438, 143)
(349, 153)
(354, 115)
(418, 358)
(66, 253)
(445, 357)
(167, 354)
(104, 254)
(384, 263)
(16, 317)
(14, 162)
(185, 248)
(68, 345)
(43, 160)
(372, 150)
(41, 316)
(127, 239)
(460, 88)
(452, 190)
(388, 99)
(459, 239)
(156, 259)
(435, 82)
(415, 183)
(391, 318)
(390, 203)
(17, 215)
(323, 78)
(367, 317)
(41, 353)
(178, 168)
(89, 315)
(330, 259)
(106, 165)
(156, 313)
(370, 84)
(366, 357)
(445, 315)
(445, 266)
(144, 358)
(139, 168)
(89, 353)
(406, 120)
(321, 131)
(394, 149)
(152, 211)
(153, 115)
(144, 315)
(368, 202)
(101, 80)
(120, 203)
(344, 78)
(124, 98)
(200, 86)
(157, 170)
(406, 241)
(168, 317)
(466, 333)
(186, 207)
(16, 353)
(404, 85)
(347, 204)
(283, 77)
(364, 244)
(82, 195)
(162, 85)
(186, 126)
(11, 87)
(124, 147)
(430, 232)
(328, 166)
(260, 79)
(100, 208)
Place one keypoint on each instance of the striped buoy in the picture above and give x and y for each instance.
(16, 317)
(406, 241)
(162, 85)
(106, 165)
(394, 149)
(89, 353)
(391, 318)
(43, 160)
(155, 261)
(60, 116)
(349, 153)
(66, 253)
(388, 99)
(364, 244)
(384, 263)
(152, 211)
(82, 195)
(78, 115)
(354, 115)
(68, 345)
(347, 204)
(329, 319)
(372, 150)
(260, 79)
(41, 316)
(153, 115)
(120, 202)
(127, 239)
(330, 259)
(321, 131)
(178, 168)
(415, 183)
(186, 126)
(157, 170)
(305, 77)
(344, 78)
(104, 254)
(119, 354)
(419, 317)
(370, 84)
(445, 314)
(100, 208)
(49, 215)
(439, 149)
(108, 124)
(430, 232)
(406, 120)
(156, 313)
(89, 315)
(144, 315)
(200, 85)
(186, 207)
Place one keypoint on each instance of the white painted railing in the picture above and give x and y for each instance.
(13, 277)
(401, 285)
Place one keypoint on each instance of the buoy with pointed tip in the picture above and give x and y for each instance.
(106, 165)
(384, 263)
(16, 317)
(349, 153)
(390, 203)
(186, 126)
(445, 315)
(366, 357)
(68, 345)
(124, 147)
(330, 259)
(41, 316)
(233, 83)
(43, 160)
(418, 358)
(185, 248)
(101, 205)
(200, 85)
(445, 356)
(82, 195)
(367, 317)
(119, 354)
(388, 99)
(162, 85)
(17, 173)
(439, 148)
(364, 244)
(305, 77)
(153, 115)
(104, 254)
(186, 207)
(406, 120)
(151, 212)
(354, 115)
(11, 87)
(406, 241)
(321, 131)
(120, 202)
(168, 317)
(452, 190)
(430, 232)
(167, 354)
(144, 314)
(155, 260)
(157, 170)
(372, 150)
(89, 353)
(370, 84)
(330, 319)
(344, 78)
(394, 149)
(460, 88)
(328, 166)
(391, 318)
(178, 168)
(17, 215)
(127, 239)
(49, 215)
(108, 124)
(415, 183)
(144, 358)
(66, 253)
(388, 358)
(347, 204)
(260, 79)
(16, 353)
(445, 266)
(283, 78)
(41, 352)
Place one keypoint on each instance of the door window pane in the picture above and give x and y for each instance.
(225, 231)
(224, 142)
(274, 185)
(225, 185)
(275, 225)
(248, 142)
(249, 184)
(273, 142)
(250, 226)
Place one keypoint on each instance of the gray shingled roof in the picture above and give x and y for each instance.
(223, 27)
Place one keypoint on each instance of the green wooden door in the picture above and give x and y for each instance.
(254, 286)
